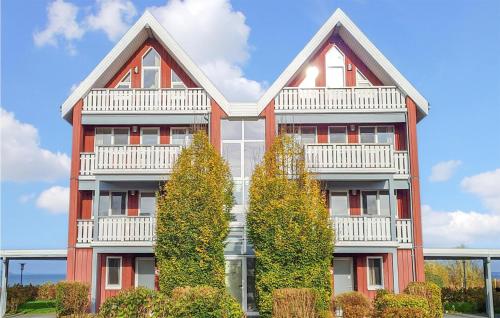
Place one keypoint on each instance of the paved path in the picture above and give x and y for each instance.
(468, 316)
(32, 316)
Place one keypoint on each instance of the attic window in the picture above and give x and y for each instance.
(361, 80)
(151, 69)
(126, 81)
(176, 81)
(335, 68)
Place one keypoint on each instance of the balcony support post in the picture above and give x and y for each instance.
(395, 273)
(392, 205)
(97, 198)
(93, 287)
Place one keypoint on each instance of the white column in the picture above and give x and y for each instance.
(395, 273)
(392, 204)
(3, 295)
(489, 287)
(97, 198)
(93, 288)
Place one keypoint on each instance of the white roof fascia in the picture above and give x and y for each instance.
(145, 21)
(339, 17)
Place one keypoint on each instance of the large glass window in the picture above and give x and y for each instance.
(335, 68)
(111, 136)
(182, 136)
(377, 134)
(339, 203)
(302, 134)
(376, 203)
(112, 203)
(113, 272)
(126, 81)
(375, 273)
(151, 69)
(234, 279)
(361, 80)
(150, 136)
(338, 135)
(177, 81)
(251, 293)
(367, 135)
(147, 204)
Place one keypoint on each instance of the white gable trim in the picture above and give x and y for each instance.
(147, 20)
(339, 18)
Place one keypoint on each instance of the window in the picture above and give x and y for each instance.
(111, 136)
(150, 136)
(339, 203)
(112, 203)
(113, 272)
(147, 203)
(376, 203)
(361, 80)
(234, 275)
(377, 134)
(151, 69)
(126, 81)
(309, 80)
(251, 292)
(302, 134)
(338, 135)
(176, 81)
(182, 136)
(375, 273)
(334, 68)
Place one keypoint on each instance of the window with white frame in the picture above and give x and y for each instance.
(182, 136)
(337, 134)
(339, 203)
(176, 81)
(361, 80)
(302, 134)
(375, 203)
(113, 272)
(150, 136)
(151, 69)
(375, 273)
(111, 136)
(376, 134)
(112, 203)
(309, 80)
(126, 81)
(147, 203)
(335, 68)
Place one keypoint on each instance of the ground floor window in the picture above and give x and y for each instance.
(375, 273)
(113, 272)
(240, 281)
(145, 272)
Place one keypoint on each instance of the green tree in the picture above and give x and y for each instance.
(193, 218)
(289, 226)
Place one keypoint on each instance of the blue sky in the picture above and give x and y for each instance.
(449, 50)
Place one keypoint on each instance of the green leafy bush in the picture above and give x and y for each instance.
(193, 219)
(353, 305)
(461, 306)
(46, 291)
(431, 292)
(294, 303)
(72, 298)
(200, 302)
(129, 303)
(19, 294)
(470, 295)
(401, 306)
(289, 226)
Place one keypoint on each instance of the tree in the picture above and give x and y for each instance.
(289, 226)
(193, 218)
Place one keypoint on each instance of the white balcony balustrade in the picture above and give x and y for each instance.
(344, 99)
(370, 228)
(127, 159)
(122, 101)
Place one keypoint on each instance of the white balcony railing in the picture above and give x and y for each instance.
(85, 230)
(344, 99)
(355, 157)
(122, 228)
(146, 100)
(129, 159)
(362, 228)
(404, 230)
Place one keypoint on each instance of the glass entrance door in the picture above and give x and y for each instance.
(145, 272)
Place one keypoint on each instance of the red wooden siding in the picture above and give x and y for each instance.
(83, 265)
(133, 204)
(355, 203)
(128, 276)
(400, 136)
(268, 114)
(361, 270)
(215, 117)
(85, 205)
(403, 202)
(405, 268)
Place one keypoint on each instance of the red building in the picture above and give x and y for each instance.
(350, 108)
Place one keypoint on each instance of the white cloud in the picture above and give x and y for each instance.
(444, 170)
(22, 157)
(216, 37)
(113, 17)
(54, 199)
(453, 228)
(62, 23)
(486, 186)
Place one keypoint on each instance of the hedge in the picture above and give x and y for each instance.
(431, 292)
(294, 302)
(72, 298)
(193, 218)
(137, 302)
(353, 305)
(401, 306)
(46, 291)
(289, 227)
(19, 294)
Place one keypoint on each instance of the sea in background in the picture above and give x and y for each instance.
(35, 279)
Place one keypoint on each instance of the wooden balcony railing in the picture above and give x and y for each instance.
(146, 101)
(370, 228)
(129, 159)
(345, 99)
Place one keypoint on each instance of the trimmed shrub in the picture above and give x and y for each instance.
(129, 303)
(289, 226)
(46, 291)
(193, 218)
(470, 295)
(294, 303)
(72, 298)
(353, 304)
(431, 292)
(202, 302)
(402, 306)
(461, 306)
(19, 294)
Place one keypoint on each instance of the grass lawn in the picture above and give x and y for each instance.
(37, 307)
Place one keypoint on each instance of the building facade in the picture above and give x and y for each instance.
(349, 107)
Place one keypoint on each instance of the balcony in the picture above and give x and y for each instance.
(117, 229)
(153, 101)
(370, 229)
(129, 159)
(338, 100)
(356, 158)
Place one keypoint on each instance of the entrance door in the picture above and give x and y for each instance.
(342, 275)
(145, 272)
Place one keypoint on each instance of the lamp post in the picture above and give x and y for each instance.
(22, 269)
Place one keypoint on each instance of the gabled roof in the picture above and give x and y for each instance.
(361, 46)
(147, 26)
